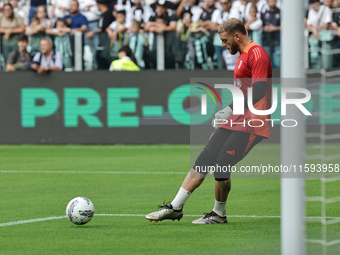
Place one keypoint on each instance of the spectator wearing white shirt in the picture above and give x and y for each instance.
(60, 8)
(120, 25)
(219, 16)
(318, 17)
(253, 25)
(123, 5)
(139, 12)
(117, 32)
(90, 10)
(217, 19)
(47, 60)
(238, 10)
(318, 22)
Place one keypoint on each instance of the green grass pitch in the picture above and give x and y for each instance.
(127, 182)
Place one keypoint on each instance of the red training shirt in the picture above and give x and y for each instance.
(253, 65)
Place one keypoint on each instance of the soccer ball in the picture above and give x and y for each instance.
(80, 210)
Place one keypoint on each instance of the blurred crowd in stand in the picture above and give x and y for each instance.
(42, 35)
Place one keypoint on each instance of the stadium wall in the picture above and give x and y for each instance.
(112, 107)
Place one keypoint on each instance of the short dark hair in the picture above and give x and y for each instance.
(313, 1)
(23, 37)
(105, 2)
(122, 12)
(232, 26)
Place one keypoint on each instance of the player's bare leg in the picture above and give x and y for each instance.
(222, 189)
(192, 181)
(174, 210)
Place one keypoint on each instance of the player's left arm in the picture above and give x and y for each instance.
(260, 66)
(259, 91)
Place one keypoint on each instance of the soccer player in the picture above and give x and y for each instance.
(231, 142)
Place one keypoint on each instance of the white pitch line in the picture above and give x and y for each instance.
(97, 147)
(199, 215)
(141, 215)
(30, 221)
(85, 172)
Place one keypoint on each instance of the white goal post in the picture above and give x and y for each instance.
(292, 139)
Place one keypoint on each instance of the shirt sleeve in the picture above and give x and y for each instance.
(128, 24)
(147, 14)
(84, 21)
(58, 61)
(172, 18)
(196, 13)
(259, 64)
(10, 60)
(107, 20)
(152, 18)
(256, 25)
(234, 12)
(36, 58)
(327, 16)
(19, 19)
(217, 16)
(113, 26)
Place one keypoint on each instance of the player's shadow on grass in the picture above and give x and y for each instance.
(183, 224)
